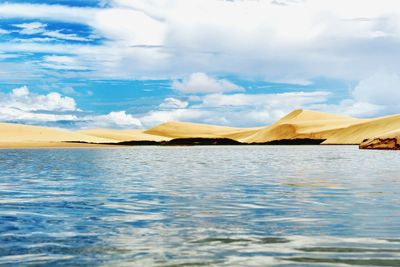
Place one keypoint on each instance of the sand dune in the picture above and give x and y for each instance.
(299, 124)
(171, 130)
(186, 130)
(302, 124)
(372, 128)
(18, 135)
(124, 135)
(301, 115)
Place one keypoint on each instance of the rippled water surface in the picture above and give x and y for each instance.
(200, 206)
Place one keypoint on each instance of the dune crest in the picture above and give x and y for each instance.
(186, 129)
(302, 124)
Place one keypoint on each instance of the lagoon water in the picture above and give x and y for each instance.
(200, 206)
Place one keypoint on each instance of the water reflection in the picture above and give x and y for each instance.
(200, 206)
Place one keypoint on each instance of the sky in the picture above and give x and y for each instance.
(137, 63)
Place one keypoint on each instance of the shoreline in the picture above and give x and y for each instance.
(178, 142)
(51, 145)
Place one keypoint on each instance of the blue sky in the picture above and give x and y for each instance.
(138, 63)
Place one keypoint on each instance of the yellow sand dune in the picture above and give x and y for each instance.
(187, 130)
(19, 135)
(372, 128)
(302, 124)
(301, 115)
(124, 135)
(170, 130)
(297, 124)
(241, 135)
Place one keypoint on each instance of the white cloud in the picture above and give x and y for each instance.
(40, 28)
(286, 2)
(129, 27)
(173, 103)
(202, 83)
(23, 106)
(3, 31)
(116, 119)
(48, 12)
(22, 91)
(65, 36)
(8, 114)
(62, 63)
(22, 99)
(292, 100)
(295, 42)
(155, 117)
(352, 108)
(34, 40)
(381, 88)
(31, 28)
(20, 105)
(376, 95)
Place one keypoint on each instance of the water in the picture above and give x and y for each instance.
(200, 206)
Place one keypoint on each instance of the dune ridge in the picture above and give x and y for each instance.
(19, 135)
(185, 129)
(297, 125)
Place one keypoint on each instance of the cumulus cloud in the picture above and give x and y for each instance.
(23, 106)
(22, 99)
(202, 83)
(173, 103)
(155, 117)
(9, 114)
(20, 105)
(115, 119)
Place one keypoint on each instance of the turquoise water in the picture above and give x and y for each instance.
(200, 206)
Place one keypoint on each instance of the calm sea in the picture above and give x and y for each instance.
(200, 206)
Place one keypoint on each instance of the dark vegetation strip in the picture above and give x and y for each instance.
(210, 142)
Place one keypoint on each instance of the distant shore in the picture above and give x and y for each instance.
(299, 127)
(173, 142)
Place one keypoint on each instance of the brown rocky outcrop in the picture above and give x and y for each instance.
(381, 143)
